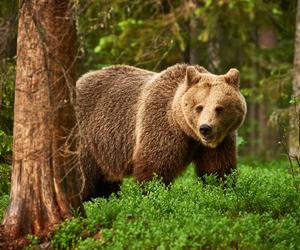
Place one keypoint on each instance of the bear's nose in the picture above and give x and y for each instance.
(205, 129)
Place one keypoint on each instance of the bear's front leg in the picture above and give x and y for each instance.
(147, 170)
(220, 160)
(165, 164)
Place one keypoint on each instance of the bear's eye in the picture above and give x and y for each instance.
(199, 108)
(219, 109)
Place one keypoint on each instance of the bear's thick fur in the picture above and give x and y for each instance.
(137, 122)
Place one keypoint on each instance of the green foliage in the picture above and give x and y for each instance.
(7, 79)
(5, 143)
(260, 210)
(33, 242)
(89, 243)
(3, 205)
(67, 234)
(142, 33)
(240, 141)
(5, 171)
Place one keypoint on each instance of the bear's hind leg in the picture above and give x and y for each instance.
(94, 183)
(99, 187)
(106, 188)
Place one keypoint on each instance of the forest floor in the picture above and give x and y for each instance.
(260, 211)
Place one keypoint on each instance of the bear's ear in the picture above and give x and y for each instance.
(201, 69)
(232, 77)
(192, 75)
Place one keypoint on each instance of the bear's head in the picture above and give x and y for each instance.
(208, 107)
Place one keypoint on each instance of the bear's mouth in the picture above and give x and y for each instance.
(209, 138)
(210, 141)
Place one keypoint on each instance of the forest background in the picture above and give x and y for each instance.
(257, 37)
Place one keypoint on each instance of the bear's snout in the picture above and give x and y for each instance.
(205, 130)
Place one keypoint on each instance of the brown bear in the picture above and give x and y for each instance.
(141, 123)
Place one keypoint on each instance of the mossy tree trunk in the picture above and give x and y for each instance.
(45, 187)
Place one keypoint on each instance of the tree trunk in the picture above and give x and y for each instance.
(44, 187)
(194, 48)
(251, 119)
(294, 137)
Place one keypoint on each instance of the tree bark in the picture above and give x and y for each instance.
(194, 48)
(294, 136)
(251, 119)
(44, 187)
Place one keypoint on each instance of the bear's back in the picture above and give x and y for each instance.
(106, 105)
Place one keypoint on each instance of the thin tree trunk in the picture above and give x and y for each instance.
(265, 38)
(8, 25)
(194, 48)
(214, 59)
(294, 137)
(251, 116)
(262, 128)
(186, 52)
(44, 179)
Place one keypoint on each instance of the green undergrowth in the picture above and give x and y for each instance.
(260, 211)
(3, 205)
(5, 171)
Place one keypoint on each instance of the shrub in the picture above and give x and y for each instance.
(255, 209)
